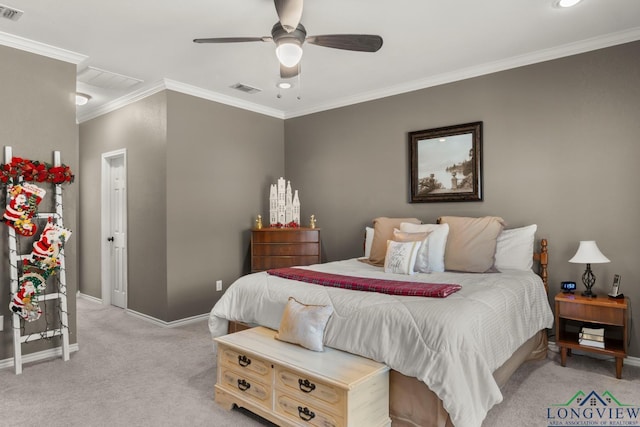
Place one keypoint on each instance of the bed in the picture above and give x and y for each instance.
(449, 356)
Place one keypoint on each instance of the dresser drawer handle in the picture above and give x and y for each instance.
(244, 361)
(305, 414)
(306, 385)
(243, 385)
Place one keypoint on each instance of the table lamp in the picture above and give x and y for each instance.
(588, 253)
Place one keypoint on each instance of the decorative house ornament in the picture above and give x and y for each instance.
(284, 205)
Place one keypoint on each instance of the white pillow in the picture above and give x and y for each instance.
(437, 244)
(304, 324)
(514, 249)
(401, 257)
(368, 241)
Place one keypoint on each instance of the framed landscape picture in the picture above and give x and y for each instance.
(446, 164)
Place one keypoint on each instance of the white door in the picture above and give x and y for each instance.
(114, 286)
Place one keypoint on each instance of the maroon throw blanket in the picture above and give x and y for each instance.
(391, 287)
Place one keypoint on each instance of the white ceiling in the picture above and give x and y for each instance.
(426, 42)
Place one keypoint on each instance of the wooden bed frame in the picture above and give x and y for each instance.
(413, 404)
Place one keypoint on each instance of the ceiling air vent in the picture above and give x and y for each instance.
(245, 88)
(10, 13)
(106, 79)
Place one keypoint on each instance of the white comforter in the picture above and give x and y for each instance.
(452, 344)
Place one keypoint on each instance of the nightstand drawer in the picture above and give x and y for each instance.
(591, 313)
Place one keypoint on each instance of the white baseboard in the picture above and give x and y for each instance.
(152, 319)
(172, 324)
(89, 297)
(38, 356)
(629, 360)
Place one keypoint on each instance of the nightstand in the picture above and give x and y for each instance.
(574, 311)
(284, 247)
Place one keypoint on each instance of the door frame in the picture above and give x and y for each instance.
(105, 264)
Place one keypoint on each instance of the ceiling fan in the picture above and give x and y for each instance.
(289, 34)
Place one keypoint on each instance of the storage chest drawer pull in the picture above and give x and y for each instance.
(306, 385)
(305, 414)
(243, 385)
(244, 361)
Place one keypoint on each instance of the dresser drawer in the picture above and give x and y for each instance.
(304, 412)
(247, 364)
(285, 236)
(308, 388)
(286, 249)
(266, 263)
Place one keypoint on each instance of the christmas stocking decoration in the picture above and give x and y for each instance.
(22, 207)
(25, 302)
(46, 251)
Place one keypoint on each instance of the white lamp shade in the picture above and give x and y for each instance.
(289, 54)
(588, 253)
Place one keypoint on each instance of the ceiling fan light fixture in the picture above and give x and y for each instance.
(82, 98)
(567, 3)
(289, 53)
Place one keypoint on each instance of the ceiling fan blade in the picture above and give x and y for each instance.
(357, 42)
(289, 13)
(288, 72)
(233, 39)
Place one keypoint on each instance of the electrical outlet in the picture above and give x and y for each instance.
(218, 285)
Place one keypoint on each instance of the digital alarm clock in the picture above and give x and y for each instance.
(568, 287)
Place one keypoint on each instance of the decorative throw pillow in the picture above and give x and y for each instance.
(514, 248)
(401, 257)
(383, 231)
(422, 260)
(436, 248)
(368, 240)
(471, 244)
(304, 324)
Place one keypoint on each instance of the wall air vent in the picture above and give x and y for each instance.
(10, 13)
(245, 88)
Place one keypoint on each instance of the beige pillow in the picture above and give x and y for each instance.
(383, 230)
(471, 244)
(304, 324)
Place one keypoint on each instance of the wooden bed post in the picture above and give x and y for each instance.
(543, 258)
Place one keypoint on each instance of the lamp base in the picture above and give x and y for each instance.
(589, 294)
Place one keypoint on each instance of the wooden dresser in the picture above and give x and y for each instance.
(284, 247)
(292, 386)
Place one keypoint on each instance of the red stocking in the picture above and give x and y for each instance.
(22, 207)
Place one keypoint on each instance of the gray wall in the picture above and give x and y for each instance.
(221, 161)
(560, 150)
(198, 173)
(37, 116)
(140, 128)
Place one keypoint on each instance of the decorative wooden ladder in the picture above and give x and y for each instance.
(61, 294)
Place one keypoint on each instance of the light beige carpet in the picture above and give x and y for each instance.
(130, 372)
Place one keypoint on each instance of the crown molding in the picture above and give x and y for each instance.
(557, 52)
(223, 99)
(565, 50)
(168, 84)
(38, 48)
(123, 101)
